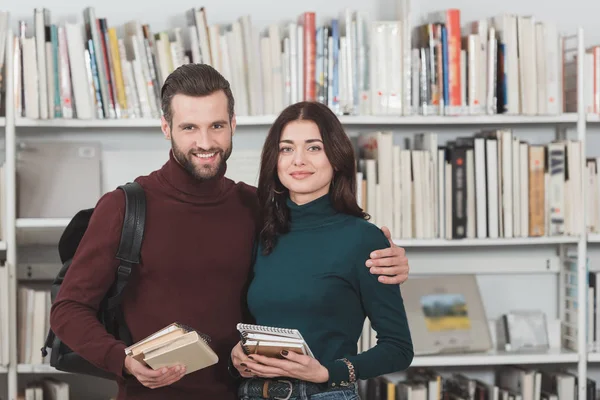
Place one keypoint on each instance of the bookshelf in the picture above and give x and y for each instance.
(539, 247)
(497, 358)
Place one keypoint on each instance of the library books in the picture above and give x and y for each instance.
(491, 184)
(354, 63)
(512, 382)
(176, 344)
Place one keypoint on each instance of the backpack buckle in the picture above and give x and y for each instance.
(124, 271)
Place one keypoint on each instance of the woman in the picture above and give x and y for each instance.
(309, 272)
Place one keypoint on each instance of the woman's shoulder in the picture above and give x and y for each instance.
(365, 234)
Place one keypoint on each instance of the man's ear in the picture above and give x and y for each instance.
(164, 125)
(233, 125)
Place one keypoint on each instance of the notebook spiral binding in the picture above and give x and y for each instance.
(207, 339)
(245, 348)
(267, 329)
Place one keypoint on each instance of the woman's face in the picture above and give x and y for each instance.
(303, 168)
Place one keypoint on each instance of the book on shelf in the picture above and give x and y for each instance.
(173, 345)
(353, 62)
(46, 388)
(271, 341)
(510, 382)
(491, 184)
(4, 25)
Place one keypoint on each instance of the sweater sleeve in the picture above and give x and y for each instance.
(90, 275)
(384, 306)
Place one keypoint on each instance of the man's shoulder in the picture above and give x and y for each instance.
(247, 194)
(248, 189)
(111, 203)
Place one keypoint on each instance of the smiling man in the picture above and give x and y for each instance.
(197, 254)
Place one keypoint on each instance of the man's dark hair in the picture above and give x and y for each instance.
(193, 80)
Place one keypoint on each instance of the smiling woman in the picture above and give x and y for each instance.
(309, 270)
(303, 166)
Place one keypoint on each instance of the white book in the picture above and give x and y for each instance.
(493, 207)
(40, 48)
(516, 186)
(30, 79)
(552, 50)
(480, 186)
(407, 190)
(507, 179)
(541, 74)
(524, 188)
(397, 192)
(506, 28)
(471, 214)
(448, 195)
(276, 67)
(440, 193)
(292, 32)
(268, 98)
(556, 187)
(418, 194)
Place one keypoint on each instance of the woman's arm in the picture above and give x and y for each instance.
(384, 307)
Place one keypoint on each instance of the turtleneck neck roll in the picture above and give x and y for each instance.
(183, 183)
(314, 214)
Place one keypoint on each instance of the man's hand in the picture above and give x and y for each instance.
(240, 360)
(151, 378)
(390, 261)
(293, 365)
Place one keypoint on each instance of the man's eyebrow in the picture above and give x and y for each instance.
(221, 122)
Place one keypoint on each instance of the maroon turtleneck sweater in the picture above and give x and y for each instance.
(195, 263)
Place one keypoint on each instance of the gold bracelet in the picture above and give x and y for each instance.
(351, 373)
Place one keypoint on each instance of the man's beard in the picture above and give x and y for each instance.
(201, 172)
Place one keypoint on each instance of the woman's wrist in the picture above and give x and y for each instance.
(322, 375)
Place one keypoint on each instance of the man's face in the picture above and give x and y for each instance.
(201, 133)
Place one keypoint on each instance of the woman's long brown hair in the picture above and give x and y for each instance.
(272, 195)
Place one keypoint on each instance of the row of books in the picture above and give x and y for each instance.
(569, 325)
(33, 322)
(509, 383)
(492, 184)
(45, 389)
(353, 63)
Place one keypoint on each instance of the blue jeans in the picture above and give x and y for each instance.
(301, 389)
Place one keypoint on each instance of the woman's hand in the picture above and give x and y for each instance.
(239, 359)
(293, 365)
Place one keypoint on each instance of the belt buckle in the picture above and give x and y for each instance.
(289, 394)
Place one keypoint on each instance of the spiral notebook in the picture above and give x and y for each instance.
(270, 341)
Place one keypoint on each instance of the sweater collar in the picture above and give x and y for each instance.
(313, 214)
(182, 181)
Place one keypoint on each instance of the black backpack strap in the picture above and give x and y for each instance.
(132, 235)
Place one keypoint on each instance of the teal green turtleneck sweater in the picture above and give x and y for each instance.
(316, 281)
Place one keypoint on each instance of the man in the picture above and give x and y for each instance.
(196, 256)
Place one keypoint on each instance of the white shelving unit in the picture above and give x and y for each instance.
(578, 120)
(496, 358)
(39, 223)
